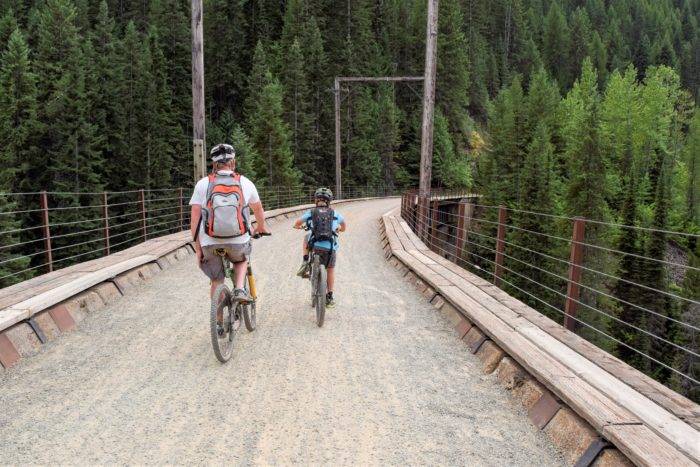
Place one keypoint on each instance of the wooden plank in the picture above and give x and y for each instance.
(62, 292)
(665, 424)
(30, 290)
(667, 398)
(657, 418)
(12, 316)
(587, 401)
(643, 447)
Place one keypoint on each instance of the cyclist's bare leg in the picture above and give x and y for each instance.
(305, 247)
(331, 278)
(240, 269)
(214, 285)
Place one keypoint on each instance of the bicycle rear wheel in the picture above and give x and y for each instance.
(320, 295)
(223, 332)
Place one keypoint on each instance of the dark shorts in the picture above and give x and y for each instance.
(212, 265)
(326, 257)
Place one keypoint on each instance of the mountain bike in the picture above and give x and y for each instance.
(228, 311)
(319, 282)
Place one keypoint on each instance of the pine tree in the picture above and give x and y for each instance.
(580, 37)
(66, 135)
(104, 94)
(296, 102)
(656, 278)
(586, 189)
(452, 71)
(227, 57)
(8, 25)
(17, 125)
(270, 138)
(692, 157)
(536, 193)
(599, 56)
(449, 169)
(257, 80)
(687, 363)
(631, 340)
(556, 45)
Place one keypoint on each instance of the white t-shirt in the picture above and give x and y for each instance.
(250, 194)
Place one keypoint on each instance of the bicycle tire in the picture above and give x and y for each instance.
(321, 278)
(249, 312)
(223, 345)
(313, 281)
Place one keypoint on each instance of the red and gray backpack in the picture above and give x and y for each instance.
(225, 212)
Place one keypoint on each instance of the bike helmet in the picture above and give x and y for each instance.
(324, 193)
(222, 153)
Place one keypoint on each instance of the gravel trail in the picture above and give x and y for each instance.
(383, 382)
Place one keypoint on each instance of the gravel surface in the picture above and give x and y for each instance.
(383, 382)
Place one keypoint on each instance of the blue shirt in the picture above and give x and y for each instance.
(337, 220)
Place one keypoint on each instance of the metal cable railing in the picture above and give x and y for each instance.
(483, 238)
(50, 230)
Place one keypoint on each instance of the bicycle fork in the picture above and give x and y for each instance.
(251, 283)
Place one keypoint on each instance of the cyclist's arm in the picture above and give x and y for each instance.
(259, 214)
(299, 222)
(194, 223)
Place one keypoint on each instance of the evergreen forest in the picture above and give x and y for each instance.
(566, 107)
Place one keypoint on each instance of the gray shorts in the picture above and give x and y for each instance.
(212, 265)
(326, 257)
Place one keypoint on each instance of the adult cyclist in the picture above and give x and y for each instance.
(324, 244)
(236, 242)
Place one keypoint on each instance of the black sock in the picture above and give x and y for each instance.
(306, 257)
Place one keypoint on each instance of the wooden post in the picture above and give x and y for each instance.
(47, 231)
(338, 160)
(105, 215)
(435, 218)
(198, 110)
(182, 210)
(500, 245)
(142, 195)
(573, 289)
(426, 148)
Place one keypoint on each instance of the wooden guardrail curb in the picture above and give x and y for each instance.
(593, 416)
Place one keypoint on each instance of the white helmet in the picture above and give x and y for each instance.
(222, 153)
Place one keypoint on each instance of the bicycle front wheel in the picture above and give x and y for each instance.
(249, 312)
(223, 332)
(321, 278)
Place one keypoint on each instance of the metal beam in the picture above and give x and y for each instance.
(378, 79)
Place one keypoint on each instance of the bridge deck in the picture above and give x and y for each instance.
(610, 395)
(383, 382)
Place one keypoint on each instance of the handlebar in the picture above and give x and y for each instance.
(260, 235)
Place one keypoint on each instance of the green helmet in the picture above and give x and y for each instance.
(324, 193)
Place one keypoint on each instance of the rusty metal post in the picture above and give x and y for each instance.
(182, 210)
(461, 230)
(423, 203)
(434, 227)
(105, 215)
(573, 289)
(142, 196)
(47, 231)
(500, 245)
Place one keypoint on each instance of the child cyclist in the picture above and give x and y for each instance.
(324, 223)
